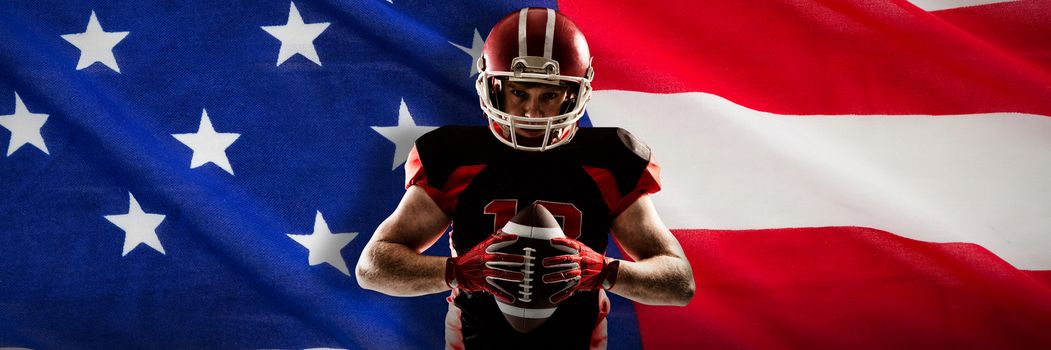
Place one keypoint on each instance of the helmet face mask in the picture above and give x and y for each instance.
(564, 61)
(555, 128)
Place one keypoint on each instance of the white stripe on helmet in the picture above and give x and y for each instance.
(523, 47)
(549, 34)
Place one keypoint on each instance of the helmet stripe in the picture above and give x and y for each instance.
(549, 34)
(523, 17)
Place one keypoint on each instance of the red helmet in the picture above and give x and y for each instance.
(535, 45)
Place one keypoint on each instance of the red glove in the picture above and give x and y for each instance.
(475, 270)
(589, 269)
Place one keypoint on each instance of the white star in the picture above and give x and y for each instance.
(208, 146)
(325, 246)
(475, 51)
(24, 127)
(139, 227)
(96, 45)
(403, 135)
(297, 37)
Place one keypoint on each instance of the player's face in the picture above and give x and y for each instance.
(533, 100)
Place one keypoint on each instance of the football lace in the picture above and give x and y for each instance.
(527, 276)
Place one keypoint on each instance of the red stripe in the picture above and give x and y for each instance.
(832, 57)
(1008, 26)
(649, 182)
(457, 182)
(1041, 276)
(448, 195)
(415, 175)
(848, 288)
(607, 185)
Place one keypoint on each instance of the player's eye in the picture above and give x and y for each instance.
(549, 96)
(518, 93)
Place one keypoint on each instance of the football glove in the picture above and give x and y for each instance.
(585, 268)
(475, 270)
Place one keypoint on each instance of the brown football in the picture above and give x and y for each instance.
(535, 227)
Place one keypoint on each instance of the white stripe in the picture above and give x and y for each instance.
(543, 233)
(935, 5)
(549, 33)
(983, 178)
(525, 313)
(523, 17)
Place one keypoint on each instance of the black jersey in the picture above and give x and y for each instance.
(481, 183)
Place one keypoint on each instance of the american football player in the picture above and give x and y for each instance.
(533, 86)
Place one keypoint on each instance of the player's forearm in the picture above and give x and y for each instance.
(659, 280)
(394, 269)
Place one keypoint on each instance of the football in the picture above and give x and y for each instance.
(535, 227)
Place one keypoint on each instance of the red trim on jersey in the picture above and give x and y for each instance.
(649, 182)
(494, 126)
(414, 169)
(453, 324)
(600, 335)
(415, 175)
(458, 181)
(607, 184)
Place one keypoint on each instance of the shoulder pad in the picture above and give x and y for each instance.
(635, 145)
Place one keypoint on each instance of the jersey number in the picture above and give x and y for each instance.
(504, 209)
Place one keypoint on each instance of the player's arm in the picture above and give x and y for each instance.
(660, 274)
(391, 262)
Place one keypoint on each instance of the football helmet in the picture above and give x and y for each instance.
(535, 45)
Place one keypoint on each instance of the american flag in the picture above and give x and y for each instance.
(841, 174)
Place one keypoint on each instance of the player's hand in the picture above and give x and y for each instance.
(588, 269)
(475, 270)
